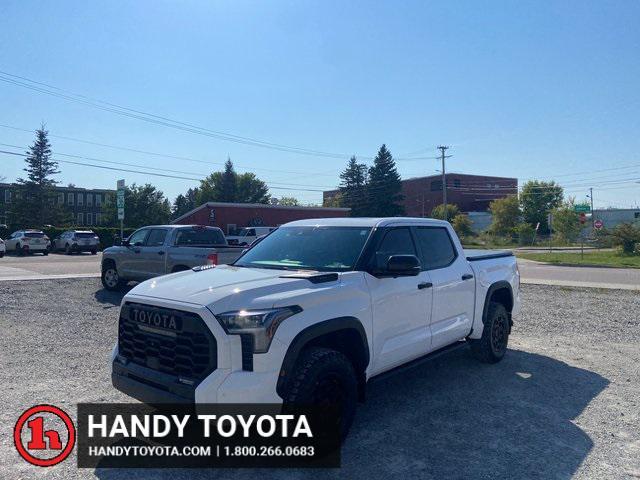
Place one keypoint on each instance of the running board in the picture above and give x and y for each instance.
(420, 361)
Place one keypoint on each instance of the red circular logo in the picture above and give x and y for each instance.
(44, 427)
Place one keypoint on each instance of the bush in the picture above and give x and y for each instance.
(462, 225)
(438, 211)
(626, 236)
(526, 234)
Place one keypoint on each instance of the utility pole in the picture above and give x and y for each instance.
(593, 215)
(443, 149)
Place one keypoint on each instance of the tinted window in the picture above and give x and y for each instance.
(205, 237)
(156, 238)
(332, 249)
(138, 237)
(436, 248)
(85, 234)
(396, 241)
(34, 234)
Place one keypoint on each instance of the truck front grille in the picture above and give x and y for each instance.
(170, 341)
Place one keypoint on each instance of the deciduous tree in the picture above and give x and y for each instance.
(537, 199)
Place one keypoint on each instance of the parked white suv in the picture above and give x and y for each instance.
(24, 242)
(78, 241)
(313, 312)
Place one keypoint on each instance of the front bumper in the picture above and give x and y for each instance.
(228, 383)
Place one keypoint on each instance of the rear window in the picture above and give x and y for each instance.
(200, 237)
(84, 234)
(34, 234)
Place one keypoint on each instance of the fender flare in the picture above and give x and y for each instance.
(495, 286)
(304, 337)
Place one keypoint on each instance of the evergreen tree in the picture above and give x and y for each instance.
(35, 203)
(353, 188)
(228, 183)
(384, 187)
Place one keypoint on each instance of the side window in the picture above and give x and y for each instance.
(138, 236)
(436, 248)
(251, 232)
(156, 238)
(396, 241)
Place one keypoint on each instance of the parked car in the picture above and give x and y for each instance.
(73, 241)
(24, 242)
(246, 236)
(161, 249)
(2, 248)
(320, 307)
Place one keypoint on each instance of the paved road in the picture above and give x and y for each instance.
(36, 267)
(595, 277)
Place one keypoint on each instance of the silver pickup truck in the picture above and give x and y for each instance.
(160, 249)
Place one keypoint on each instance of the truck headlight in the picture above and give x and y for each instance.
(260, 324)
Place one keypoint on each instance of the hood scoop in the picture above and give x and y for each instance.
(313, 277)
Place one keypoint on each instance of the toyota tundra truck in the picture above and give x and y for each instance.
(312, 313)
(159, 249)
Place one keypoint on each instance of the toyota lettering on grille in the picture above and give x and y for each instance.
(156, 319)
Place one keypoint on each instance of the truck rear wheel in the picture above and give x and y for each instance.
(326, 378)
(492, 346)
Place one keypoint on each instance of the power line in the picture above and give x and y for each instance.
(148, 173)
(48, 89)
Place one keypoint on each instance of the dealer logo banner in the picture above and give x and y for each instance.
(207, 435)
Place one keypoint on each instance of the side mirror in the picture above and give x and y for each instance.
(402, 266)
(124, 242)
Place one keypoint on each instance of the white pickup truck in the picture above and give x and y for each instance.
(312, 312)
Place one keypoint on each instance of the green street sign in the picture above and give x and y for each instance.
(582, 208)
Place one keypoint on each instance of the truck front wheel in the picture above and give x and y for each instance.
(492, 346)
(326, 378)
(110, 278)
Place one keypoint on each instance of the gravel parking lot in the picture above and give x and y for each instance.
(564, 402)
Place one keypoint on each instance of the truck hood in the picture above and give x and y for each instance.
(226, 288)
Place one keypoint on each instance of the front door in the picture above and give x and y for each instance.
(453, 285)
(129, 262)
(151, 260)
(401, 306)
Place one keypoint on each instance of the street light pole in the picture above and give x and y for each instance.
(443, 149)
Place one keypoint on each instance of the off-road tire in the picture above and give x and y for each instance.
(320, 374)
(94, 252)
(68, 250)
(45, 252)
(492, 346)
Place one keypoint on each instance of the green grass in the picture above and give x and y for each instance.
(608, 259)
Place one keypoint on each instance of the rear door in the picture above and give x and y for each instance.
(453, 285)
(401, 306)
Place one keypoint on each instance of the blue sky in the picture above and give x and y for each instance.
(527, 89)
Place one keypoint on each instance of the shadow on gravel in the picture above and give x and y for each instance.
(455, 418)
(112, 299)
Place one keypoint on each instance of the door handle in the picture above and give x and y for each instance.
(425, 285)
(467, 276)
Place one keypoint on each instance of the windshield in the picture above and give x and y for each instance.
(201, 237)
(308, 248)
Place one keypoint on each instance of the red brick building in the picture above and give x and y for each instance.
(471, 193)
(232, 216)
